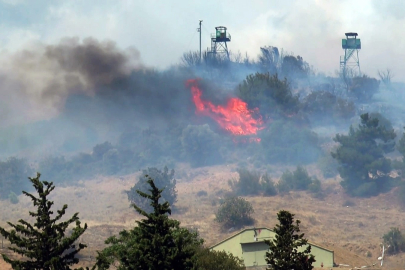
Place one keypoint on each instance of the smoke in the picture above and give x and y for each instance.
(36, 82)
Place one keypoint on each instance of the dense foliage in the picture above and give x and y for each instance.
(44, 244)
(394, 241)
(234, 212)
(252, 183)
(158, 242)
(362, 164)
(283, 250)
(267, 92)
(219, 260)
(163, 179)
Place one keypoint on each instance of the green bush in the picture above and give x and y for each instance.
(162, 179)
(316, 188)
(328, 165)
(297, 180)
(268, 187)
(247, 184)
(207, 259)
(234, 212)
(202, 193)
(394, 240)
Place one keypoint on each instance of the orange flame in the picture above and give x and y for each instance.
(234, 117)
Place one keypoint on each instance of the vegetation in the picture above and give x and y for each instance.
(360, 155)
(234, 212)
(286, 142)
(394, 241)
(364, 87)
(13, 176)
(298, 180)
(220, 260)
(267, 92)
(252, 183)
(44, 244)
(283, 250)
(158, 242)
(200, 145)
(162, 179)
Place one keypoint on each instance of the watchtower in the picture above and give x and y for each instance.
(219, 39)
(350, 62)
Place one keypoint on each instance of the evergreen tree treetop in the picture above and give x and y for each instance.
(283, 250)
(44, 245)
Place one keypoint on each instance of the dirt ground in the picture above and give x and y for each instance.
(353, 232)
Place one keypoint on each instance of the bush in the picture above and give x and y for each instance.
(268, 187)
(328, 166)
(316, 188)
(364, 87)
(297, 180)
(162, 179)
(200, 145)
(234, 212)
(395, 240)
(268, 93)
(202, 193)
(247, 184)
(207, 259)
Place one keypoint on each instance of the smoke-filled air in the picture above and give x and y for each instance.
(285, 107)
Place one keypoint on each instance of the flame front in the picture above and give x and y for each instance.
(234, 117)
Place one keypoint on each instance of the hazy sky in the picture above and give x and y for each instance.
(163, 30)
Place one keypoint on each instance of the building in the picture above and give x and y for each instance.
(252, 249)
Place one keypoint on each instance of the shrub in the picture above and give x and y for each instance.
(316, 188)
(328, 165)
(210, 259)
(234, 212)
(202, 193)
(162, 179)
(297, 180)
(200, 145)
(247, 184)
(395, 240)
(268, 187)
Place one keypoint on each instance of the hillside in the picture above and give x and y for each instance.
(351, 231)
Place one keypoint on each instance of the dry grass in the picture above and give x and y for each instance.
(350, 231)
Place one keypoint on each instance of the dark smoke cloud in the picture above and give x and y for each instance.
(36, 82)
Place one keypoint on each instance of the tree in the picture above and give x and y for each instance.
(235, 212)
(156, 243)
(267, 92)
(364, 87)
(162, 179)
(284, 251)
(394, 240)
(44, 245)
(360, 155)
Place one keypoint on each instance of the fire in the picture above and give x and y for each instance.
(234, 117)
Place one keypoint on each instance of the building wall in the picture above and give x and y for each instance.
(253, 250)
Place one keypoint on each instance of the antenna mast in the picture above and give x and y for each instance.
(199, 30)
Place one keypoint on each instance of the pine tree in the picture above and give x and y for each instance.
(284, 249)
(44, 245)
(157, 243)
(362, 163)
